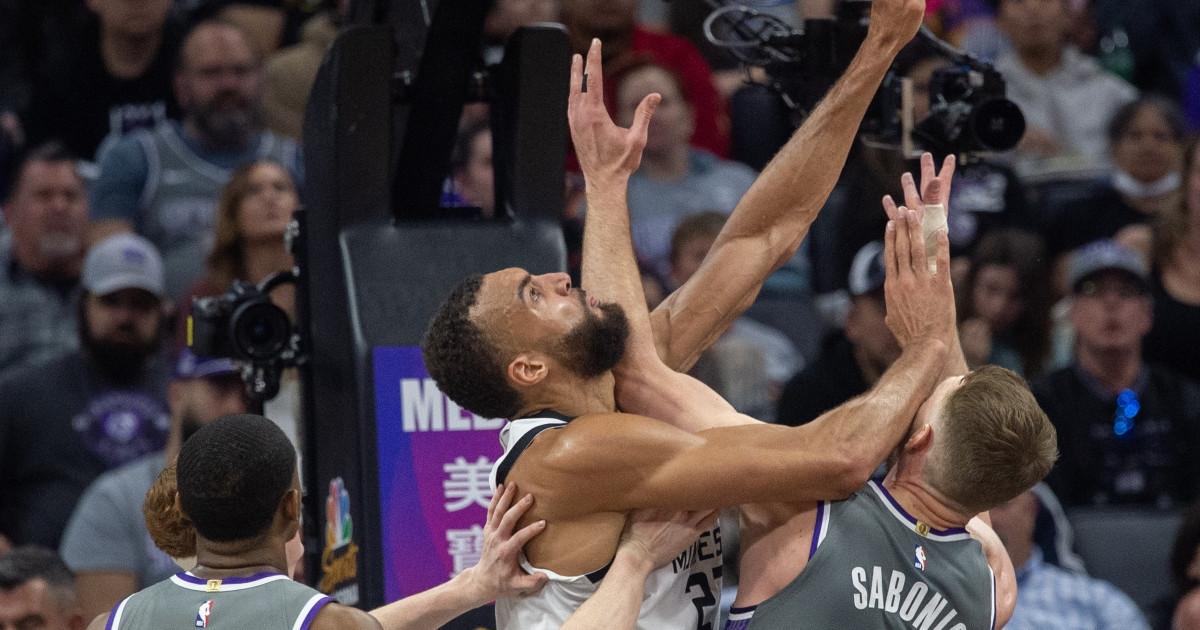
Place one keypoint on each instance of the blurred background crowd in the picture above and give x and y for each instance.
(150, 152)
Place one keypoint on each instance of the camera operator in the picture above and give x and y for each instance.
(66, 420)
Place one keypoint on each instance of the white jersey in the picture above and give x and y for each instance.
(683, 594)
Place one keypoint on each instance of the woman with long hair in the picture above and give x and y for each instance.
(1004, 303)
(1174, 339)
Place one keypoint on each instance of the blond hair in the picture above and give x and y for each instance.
(995, 442)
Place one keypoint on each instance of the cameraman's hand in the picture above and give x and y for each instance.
(920, 305)
(893, 23)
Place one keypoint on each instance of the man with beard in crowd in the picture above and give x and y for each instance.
(68, 419)
(164, 183)
(40, 257)
(106, 542)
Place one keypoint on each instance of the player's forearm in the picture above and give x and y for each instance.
(873, 424)
(773, 217)
(956, 361)
(616, 604)
(610, 270)
(432, 608)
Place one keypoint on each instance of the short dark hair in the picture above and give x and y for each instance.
(465, 364)
(232, 474)
(24, 564)
(1122, 119)
(50, 152)
(706, 223)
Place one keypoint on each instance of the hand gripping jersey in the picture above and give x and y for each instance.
(872, 565)
(683, 594)
(266, 601)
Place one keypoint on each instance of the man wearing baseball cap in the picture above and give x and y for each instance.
(106, 543)
(852, 359)
(66, 420)
(1128, 432)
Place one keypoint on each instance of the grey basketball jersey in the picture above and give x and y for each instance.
(872, 565)
(178, 203)
(266, 601)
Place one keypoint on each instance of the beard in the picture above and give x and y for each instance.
(595, 345)
(228, 120)
(120, 360)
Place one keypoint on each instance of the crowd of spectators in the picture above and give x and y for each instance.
(150, 152)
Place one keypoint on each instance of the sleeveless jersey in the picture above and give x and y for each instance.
(266, 601)
(177, 208)
(872, 565)
(683, 594)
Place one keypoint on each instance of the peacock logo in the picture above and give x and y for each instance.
(339, 527)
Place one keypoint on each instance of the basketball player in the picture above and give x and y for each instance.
(905, 552)
(651, 539)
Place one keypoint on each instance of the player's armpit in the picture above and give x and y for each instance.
(620, 462)
(1002, 569)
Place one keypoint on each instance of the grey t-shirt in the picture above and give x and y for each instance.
(107, 532)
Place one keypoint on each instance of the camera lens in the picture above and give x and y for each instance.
(261, 330)
(998, 124)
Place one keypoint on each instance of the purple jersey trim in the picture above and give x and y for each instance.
(816, 533)
(312, 613)
(952, 531)
(744, 617)
(112, 614)
(191, 579)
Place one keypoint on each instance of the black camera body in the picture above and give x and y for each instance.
(969, 113)
(245, 325)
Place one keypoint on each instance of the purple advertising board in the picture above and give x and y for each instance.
(434, 462)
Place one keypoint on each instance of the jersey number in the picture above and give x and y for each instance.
(705, 598)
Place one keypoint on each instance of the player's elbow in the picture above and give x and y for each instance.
(851, 470)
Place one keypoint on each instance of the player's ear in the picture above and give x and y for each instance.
(527, 369)
(920, 440)
(291, 505)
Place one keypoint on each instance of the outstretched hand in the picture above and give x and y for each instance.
(934, 188)
(655, 537)
(606, 151)
(920, 302)
(499, 572)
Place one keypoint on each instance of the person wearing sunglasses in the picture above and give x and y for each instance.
(1128, 431)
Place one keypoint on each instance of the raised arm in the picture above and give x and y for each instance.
(608, 155)
(773, 217)
(1002, 568)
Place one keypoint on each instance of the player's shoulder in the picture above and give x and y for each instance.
(596, 438)
(338, 617)
(99, 622)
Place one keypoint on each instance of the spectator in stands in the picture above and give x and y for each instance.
(851, 360)
(106, 543)
(625, 43)
(1051, 597)
(1185, 571)
(675, 179)
(1066, 96)
(37, 591)
(116, 77)
(40, 257)
(471, 174)
(1147, 138)
(1004, 303)
(1128, 431)
(290, 72)
(253, 213)
(750, 363)
(164, 183)
(66, 420)
(1174, 339)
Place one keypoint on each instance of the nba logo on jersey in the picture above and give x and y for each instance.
(203, 614)
(919, 558)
